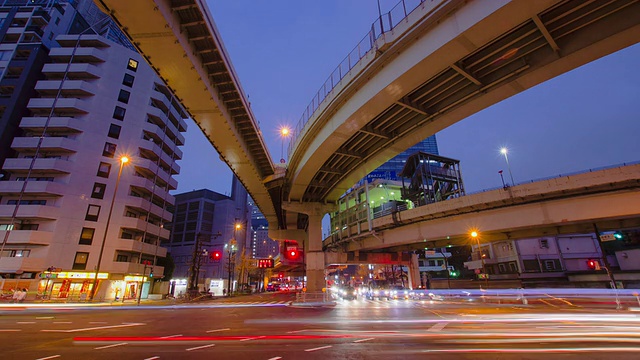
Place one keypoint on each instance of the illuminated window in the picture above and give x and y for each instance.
(132, 65)
(86, 236)
(109, 150)
(80, 261)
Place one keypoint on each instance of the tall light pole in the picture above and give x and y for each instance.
(123, 161)
(284, 133)
(504, 152)
(231, 251)
(475, 236)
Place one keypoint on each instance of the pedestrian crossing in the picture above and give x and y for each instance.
(226, 303)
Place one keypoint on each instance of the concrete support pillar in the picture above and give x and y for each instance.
(414, 272)
(314, 256)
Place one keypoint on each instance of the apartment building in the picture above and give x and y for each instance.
(70, 206)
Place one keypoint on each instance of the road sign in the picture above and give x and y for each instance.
(607, 237)
(429, 252)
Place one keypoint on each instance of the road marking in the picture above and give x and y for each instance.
(153, 358)
(170, 336)
(109, 346)
(62, 322)
(94, 328)
(49, 357)
(201, 347)
(363, 340)
(44, 317)
(25, 322)
(318, 348)
(216, 330)
(252, 338)
(9, 330)
(548, 303)
(295, 331)
(97, 322)
(276, 358)
(438, 327)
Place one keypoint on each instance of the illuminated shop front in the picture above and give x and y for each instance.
(74, 285)
(178, 287)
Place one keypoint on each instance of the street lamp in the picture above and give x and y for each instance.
(504, 152)
(123, 161)
(231, 252)
(284, 133)
(475, 236)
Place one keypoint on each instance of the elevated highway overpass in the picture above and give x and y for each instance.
(433, 65)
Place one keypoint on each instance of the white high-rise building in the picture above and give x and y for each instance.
(58, 210)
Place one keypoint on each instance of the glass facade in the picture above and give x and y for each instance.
(393, 167)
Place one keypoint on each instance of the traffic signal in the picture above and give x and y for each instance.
(292, 253)
(618, 235)
(453, 273)
(592, 264)
(216, 255)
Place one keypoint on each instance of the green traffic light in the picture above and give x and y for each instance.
(617, 235)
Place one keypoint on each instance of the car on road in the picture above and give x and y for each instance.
(348, 293)
(273, 287)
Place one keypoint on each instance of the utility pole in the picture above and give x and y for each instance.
(195, 264)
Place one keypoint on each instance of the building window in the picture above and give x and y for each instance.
(119, 112)
(86, 236)
(502, 268)
(124, 96)
(544, 243)
(80, 261)
(122, 258)
(104, 169)
(109, 150)
(92, 213)
(114, 131)
(57, 21)
(128, 80)
(27, 202)
(98, 190)
(132, 65)
(513, 267)
(549, 265)
(32, 227)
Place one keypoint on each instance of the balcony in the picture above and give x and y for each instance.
(140, 182)
(140, 247)
(56, 124)
(141, 225)
(63, 105)
(76, 71)
(28, 237)
(82, 55)
(128, 268)
(146, 205)
(149, 167)
(155, 131)
(26, 264)
(45, 212)
(157, 113)
(41, 166)
(33, 188)
(55, 144)
(70, 88)
(150, 146)
(87, 40)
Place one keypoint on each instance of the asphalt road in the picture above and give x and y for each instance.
(265, 327)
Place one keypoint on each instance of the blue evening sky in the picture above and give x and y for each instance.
(283, 51)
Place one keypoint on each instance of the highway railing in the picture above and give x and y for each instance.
(383, 24)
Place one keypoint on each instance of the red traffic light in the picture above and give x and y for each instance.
(216, 255)
(592, 264)
(265, 263)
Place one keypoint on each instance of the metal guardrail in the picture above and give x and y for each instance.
(384, 23)
(312, 297)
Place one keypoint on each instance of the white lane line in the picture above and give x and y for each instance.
(363, 340)
(94, 328)
(170, 336)
(252, 338)
(25, 322)
(43, 317)
(153, 358)
(276, 358)
(216, 330)
(295, 331)
(109, 346)
(438, 327)
(49, 357)
(200, 347)
(9, 330)
(62, 322)
(318, 348)
(97, 322)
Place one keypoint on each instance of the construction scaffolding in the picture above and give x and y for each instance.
(429, 178)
